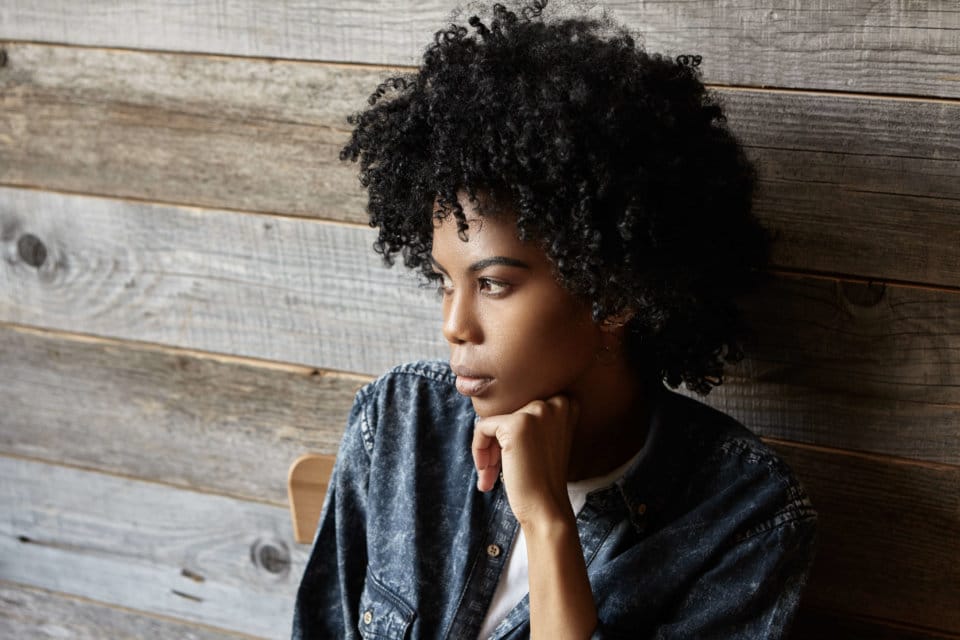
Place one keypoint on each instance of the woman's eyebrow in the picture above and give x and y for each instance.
(480, 265)
(504, 261)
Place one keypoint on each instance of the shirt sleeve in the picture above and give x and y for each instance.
(327, 603)
(751, 592)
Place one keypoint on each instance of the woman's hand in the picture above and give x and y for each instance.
(532, 446)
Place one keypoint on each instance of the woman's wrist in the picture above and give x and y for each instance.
(548, 523)
(561, 601)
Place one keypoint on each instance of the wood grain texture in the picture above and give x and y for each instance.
(203, 130)
(207, 559)
(858, 186)
(226, 426)
(853, 185)
(852, 366)
(38, 614)
(888, 536)
(270, 287)
(860, 46)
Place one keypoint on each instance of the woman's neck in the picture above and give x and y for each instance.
(614, 407)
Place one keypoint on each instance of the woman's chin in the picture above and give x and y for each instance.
(486, 406)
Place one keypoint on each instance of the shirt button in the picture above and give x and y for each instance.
(493, 551)
(641, 509)
(367, 617)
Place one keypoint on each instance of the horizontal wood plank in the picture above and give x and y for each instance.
(208, 559)
(201, 130)
(861, 186)
(888, 537)
(44, 615)
(278, 288)
(226, 426)
(860, 45)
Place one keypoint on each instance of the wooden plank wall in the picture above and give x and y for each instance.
(188, 302)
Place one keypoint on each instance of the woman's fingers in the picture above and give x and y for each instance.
(486, 455)
(536, 438)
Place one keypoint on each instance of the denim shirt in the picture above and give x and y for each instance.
(707, 535)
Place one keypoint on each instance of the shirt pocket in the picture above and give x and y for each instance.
(383, 614)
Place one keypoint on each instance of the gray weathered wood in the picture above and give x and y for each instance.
(286, 289)
(44, 615)
(149, 547)
(860, 46)
(854, 185)
(888, 537)
(203, 130)
(229, 426)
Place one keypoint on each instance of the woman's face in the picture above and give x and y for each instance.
(515, 334)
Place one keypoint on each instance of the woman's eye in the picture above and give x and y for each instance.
(493, 287)
(445, 286)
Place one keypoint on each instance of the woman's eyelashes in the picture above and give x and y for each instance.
(488, 286)
(493, 287)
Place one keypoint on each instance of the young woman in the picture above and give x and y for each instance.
(586, 215)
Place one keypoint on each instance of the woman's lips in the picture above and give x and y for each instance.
(471, 386)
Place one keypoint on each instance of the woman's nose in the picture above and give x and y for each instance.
(459, 320)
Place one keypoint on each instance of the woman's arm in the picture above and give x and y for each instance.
(561, 603)
(329, 593)
(532, 446)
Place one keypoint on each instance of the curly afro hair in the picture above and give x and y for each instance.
(617, 161)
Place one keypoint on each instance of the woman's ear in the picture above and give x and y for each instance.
(612, 329)
(616, 322)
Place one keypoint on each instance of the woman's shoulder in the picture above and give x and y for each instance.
(409, 401)
(721, 456)
(411, 379)
(716, 438)
(434, 370)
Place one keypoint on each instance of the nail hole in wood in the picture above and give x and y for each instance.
(192, 575)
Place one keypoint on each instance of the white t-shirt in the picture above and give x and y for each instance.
(514, 583)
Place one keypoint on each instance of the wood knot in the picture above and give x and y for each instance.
(863, 295)
(272, 556)
(861, 299)
(32, 250)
